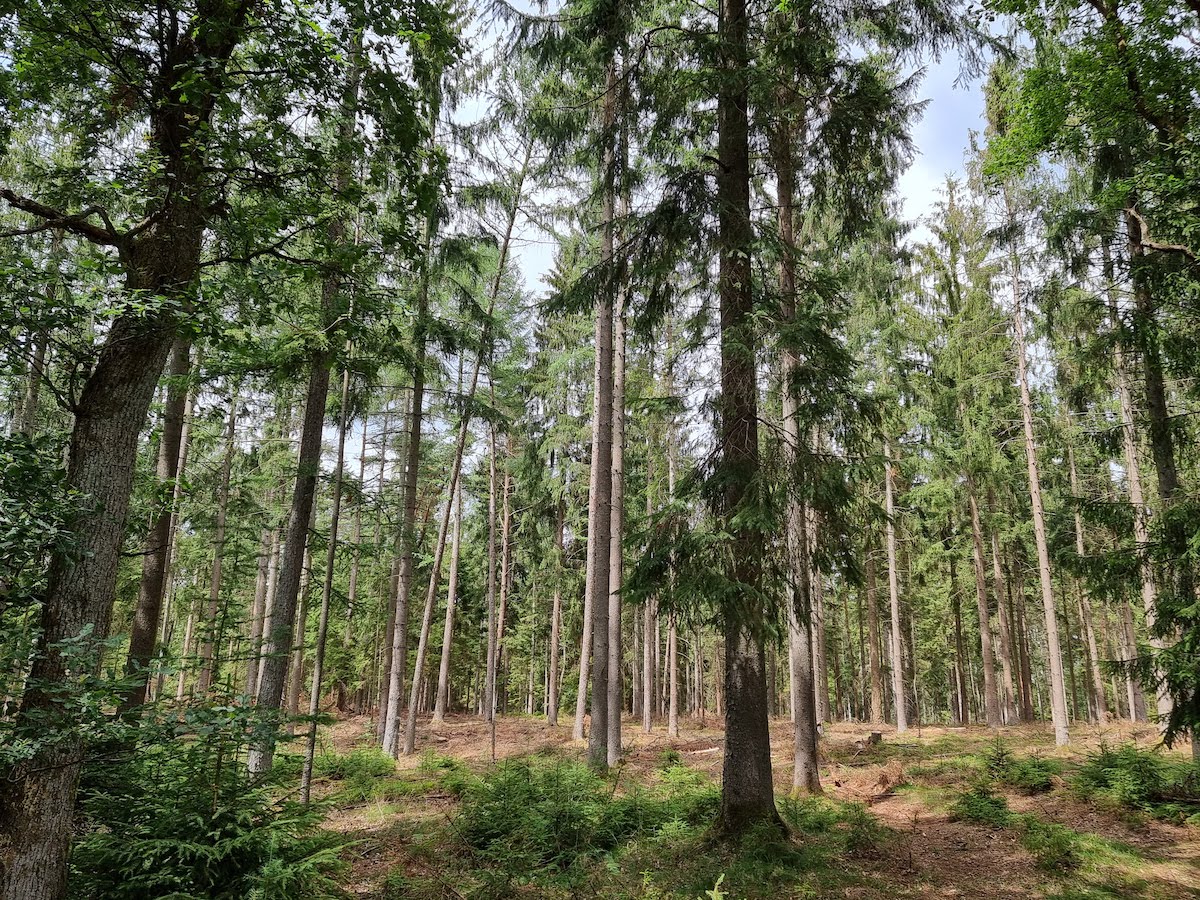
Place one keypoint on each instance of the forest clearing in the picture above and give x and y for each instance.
(887, 824)
(692, 449)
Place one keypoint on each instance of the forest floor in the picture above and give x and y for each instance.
(887, 826)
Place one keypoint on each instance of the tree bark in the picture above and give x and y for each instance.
(1058, 701)
(156, 561)
(747, 791)
(210, 627)
(600, 488)
(899, 701)
(991, 695)
(1163, 453)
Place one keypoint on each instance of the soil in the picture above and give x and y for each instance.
(931, 856)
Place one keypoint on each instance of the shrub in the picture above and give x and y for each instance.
(1130, 778)
(183, 819)
(981, 805)
(1029, 774)
(451, 775)
(531, 815)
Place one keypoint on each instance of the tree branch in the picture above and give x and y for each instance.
(76, 223)
(1150, 244)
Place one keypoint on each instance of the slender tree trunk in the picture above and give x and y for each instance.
(552, 678)
(489, 681)
(155, 562)
(301, 635)
(649, 625)
(208, 662)
(875, 658)
(335, 518)
(991, 695)
(805, 773)
(1058, 701)
(616, 557)
(408, 534)
(1096, 679)
(1164, 459)
(899, 701)
(1007, 691)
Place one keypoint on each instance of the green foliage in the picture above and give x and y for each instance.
(450, 774)
(1054, 847)
(1029, 774)
(982, 806)
(534, 815)
(182, 818)
(1128, 777)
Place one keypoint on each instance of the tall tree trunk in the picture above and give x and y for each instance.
(552, 678)
(649, 623)
(1058, 700)
(1004, 621)
(961, 708)
(489, 681)
(805, 772)
(1162, 446)
(155, 562)
(991, 695)
(899, 701)
(37, 795)
(1096, 679)
(747, 791)
(296, 677)
(600, 487)
(616, 557)
(335, 519)
(208, 661)
(283, 613)
(875, 657)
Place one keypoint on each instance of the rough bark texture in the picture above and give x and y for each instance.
(874, 656)
(747, 791)
(37, 797)
(155, 563)
(278, 638)
(600, 488)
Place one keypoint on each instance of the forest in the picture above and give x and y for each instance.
(532, 449)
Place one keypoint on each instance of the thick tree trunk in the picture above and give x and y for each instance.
(747, 791)
(600, 487)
